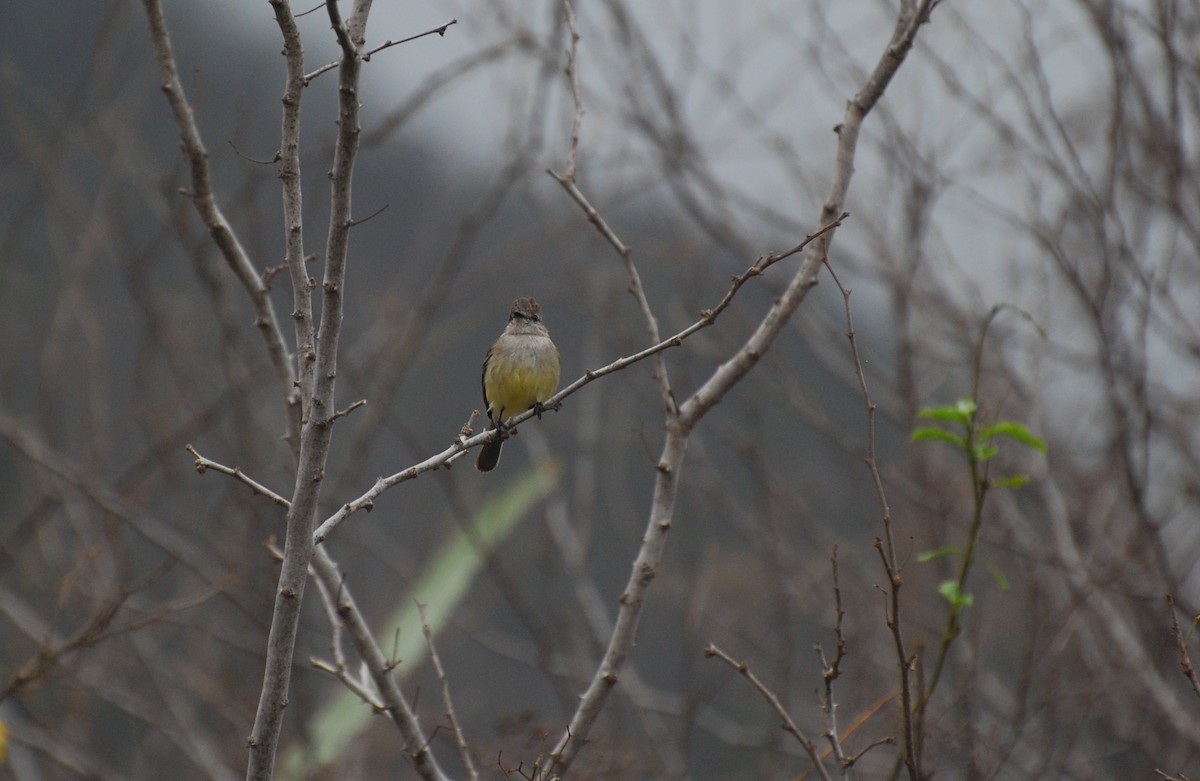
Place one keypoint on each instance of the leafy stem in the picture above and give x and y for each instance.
(959, 425)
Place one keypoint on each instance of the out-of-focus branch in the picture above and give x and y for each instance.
(210, 212)
(154, 530)
(1185, 658)
(567, 180)
(101, 625)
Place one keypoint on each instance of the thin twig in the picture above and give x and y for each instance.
(886, 547)
(340, 669)
(340, 672)
(440, 31)
(308, 78)
(625, 252)
(236, 472)
(380, 667)
(789, 725)
(344, 412)
(464, 750)
(1185, 659)
(830, 671)
(1169, 777)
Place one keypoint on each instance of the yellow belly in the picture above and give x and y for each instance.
(515, 380)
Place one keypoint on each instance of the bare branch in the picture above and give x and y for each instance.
(385, 45)
(728, 374)
(441, 31)
(464, 750)
(886, 547)
(567, 180)
(830, 671)
(293, 207)
(772, 699)
(236, 472)
(380, 667)
(1185, 658)
(319, 410)
(339, 669)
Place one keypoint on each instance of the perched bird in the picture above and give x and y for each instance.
(519, 373)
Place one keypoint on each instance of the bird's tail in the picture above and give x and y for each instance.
(489, 455)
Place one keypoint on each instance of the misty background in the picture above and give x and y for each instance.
(1040, 155)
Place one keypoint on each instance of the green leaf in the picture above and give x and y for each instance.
(960, 411)
(933, 432)
(950, 591)
(930, 555)
(1012, 481)
(1001, 581)
(984, 452)
(1013, 430)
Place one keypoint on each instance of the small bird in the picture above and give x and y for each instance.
(519, 373)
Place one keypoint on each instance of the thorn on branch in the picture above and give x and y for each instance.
(440, 31)
(351, 223)
(348, 410)
(278, 155)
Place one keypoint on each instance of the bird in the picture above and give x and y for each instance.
(519, 373)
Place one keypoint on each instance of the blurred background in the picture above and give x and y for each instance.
(1041, 155)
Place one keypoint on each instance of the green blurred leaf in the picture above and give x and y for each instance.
(1001, 581)
(1013, 430)
(933, 432)
(957, 599)
(1012, 481)
(984, 452)
(960, 412)
(946, 550)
